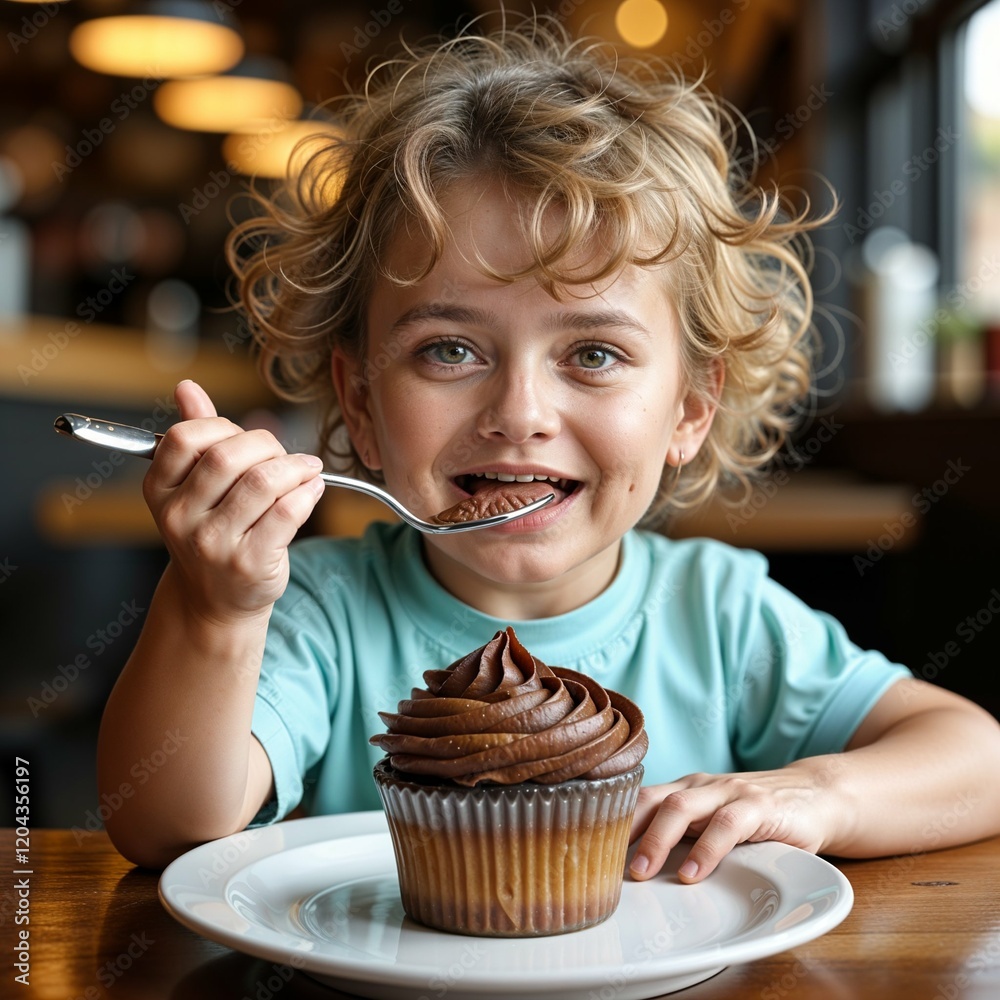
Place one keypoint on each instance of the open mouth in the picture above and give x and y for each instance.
(490, 493)
(526, 488)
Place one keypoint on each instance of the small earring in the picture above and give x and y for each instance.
(680, 465)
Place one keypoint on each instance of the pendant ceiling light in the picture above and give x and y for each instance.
(276, 152)
(641, 23)
(175, 38)
(252, 95)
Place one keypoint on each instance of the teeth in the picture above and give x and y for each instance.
(507, 477)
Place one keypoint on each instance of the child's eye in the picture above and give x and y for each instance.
(448, 352)
(596, 357)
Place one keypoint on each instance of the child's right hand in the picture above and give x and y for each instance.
(227, 502)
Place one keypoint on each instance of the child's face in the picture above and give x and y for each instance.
(465, 375)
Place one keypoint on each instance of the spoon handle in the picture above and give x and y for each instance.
(142, 443)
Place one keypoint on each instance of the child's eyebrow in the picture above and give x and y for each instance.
(565, 320)
(601, 319)
(443, 310)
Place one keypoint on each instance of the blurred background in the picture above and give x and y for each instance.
(119, 165)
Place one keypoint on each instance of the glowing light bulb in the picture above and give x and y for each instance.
(641, 23)
(156, 45)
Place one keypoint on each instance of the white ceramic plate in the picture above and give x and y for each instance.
(321, 895)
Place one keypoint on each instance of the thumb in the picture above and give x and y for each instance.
(193, 401)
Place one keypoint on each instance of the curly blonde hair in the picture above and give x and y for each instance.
(627, 150)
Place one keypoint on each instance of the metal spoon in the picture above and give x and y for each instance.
(142, 443)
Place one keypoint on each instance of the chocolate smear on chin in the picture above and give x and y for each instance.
(493, 498)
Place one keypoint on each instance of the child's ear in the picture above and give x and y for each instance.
(354, 395)
(697, 414)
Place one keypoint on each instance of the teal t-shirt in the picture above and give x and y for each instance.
(731, 671)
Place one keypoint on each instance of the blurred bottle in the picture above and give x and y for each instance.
(961, 359)
(15, 253)
(173, 311)
(992, 338)
(900, 296)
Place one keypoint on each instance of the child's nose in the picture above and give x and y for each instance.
(519, 406)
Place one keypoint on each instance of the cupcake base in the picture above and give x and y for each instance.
(509, 861)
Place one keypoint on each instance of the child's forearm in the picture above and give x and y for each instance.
(919, 773)
(928, 781)
(177, 764)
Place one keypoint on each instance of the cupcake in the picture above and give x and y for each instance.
(509, 788)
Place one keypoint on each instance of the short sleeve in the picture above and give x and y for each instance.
(295, 696)
(802, 687)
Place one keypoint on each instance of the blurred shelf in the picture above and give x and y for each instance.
(931, 449)
(810, 512)
(858, 411)
(343, 514)
(53, 358)
(115, 513)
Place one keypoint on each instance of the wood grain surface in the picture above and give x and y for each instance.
(923, 927)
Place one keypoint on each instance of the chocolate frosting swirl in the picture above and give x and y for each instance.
(501, 715)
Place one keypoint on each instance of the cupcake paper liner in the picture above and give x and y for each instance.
(515, 860)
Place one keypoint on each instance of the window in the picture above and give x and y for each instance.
(977, 231)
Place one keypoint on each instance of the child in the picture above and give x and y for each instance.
(540, 264)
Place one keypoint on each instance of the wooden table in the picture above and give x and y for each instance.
(923, 927)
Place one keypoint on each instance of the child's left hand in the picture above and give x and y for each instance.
(791, 805)
(916, 775)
